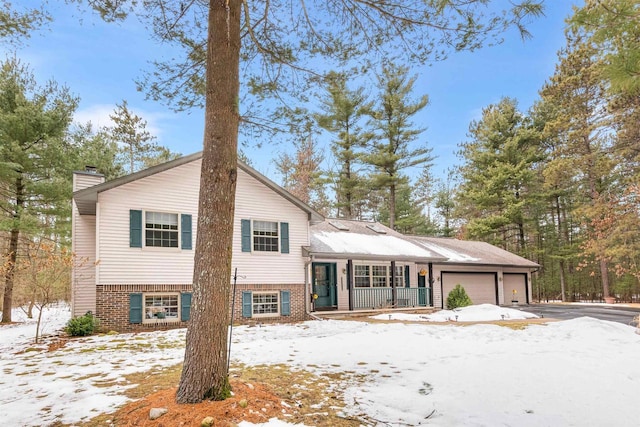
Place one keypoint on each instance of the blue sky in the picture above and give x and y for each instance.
(99, 62)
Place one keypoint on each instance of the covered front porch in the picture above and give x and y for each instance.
(368, 285)
(355, 265)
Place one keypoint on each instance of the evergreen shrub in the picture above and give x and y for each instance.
(458, 298)
(82, 325)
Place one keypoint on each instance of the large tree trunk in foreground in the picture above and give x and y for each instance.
(204, 375)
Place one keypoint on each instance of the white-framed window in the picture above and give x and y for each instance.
(265, 304)
(399, 276)
(361, 276)
(161, 229)
(379, 278)
(160, 308)
(265, 236)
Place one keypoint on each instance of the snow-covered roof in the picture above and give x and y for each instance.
(349, 239)
(365, 240)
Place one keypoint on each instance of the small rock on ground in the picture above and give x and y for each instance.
(156, 413)
(207, 422)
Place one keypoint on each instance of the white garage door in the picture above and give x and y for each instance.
(515, 282)
(481, 287)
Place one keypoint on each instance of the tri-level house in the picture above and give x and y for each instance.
(135, 239)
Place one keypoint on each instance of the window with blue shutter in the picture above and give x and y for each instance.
(246, 235)
(284, 237)
(407, 279)
(185, 306)
(135, 229)
(247, 300)
(135, 308)
(285, 303)
(185, 230)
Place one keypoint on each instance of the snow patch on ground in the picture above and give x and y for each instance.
(21, 334)
(273, 422)
(474, 313)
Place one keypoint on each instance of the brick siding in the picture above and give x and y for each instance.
(112, 306)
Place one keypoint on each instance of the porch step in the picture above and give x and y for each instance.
(346, 314)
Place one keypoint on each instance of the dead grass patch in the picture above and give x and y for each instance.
(513, 324)
(270, 391)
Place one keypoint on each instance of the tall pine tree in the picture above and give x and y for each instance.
(497, 175)
(342, 114)
(137, 147)
(392, 149)
(34, 160)
(576, 91)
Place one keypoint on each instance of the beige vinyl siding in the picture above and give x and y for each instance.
(173, 191)
(413, 276)
(176, 191)
(254, 201)
(341, 287)
(83, 297)
(82, 180)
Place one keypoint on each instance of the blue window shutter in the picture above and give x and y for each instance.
(135, 229)
(247, 300)
(185, 306)
(285, 303)
(185, 229)
(246, 235)
(407, 279)
(135, 308)
(284, 237)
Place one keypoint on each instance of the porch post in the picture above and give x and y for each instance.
(350, 283)
(394, 296)
(430, 291)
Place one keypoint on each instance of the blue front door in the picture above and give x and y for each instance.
(422, 291)
(324, 285)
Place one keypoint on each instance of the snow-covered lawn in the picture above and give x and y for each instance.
(474, 313)
(582, 372)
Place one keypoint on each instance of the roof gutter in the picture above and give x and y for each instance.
(363, 256)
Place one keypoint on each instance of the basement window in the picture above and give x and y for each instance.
(161, 308)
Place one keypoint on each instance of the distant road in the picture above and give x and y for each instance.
(614, 313)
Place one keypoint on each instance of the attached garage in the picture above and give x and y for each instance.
(515, 288)
(481, 287)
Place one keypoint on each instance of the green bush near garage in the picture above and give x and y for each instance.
(458, 298)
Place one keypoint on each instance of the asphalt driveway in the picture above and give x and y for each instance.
(615, 313)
